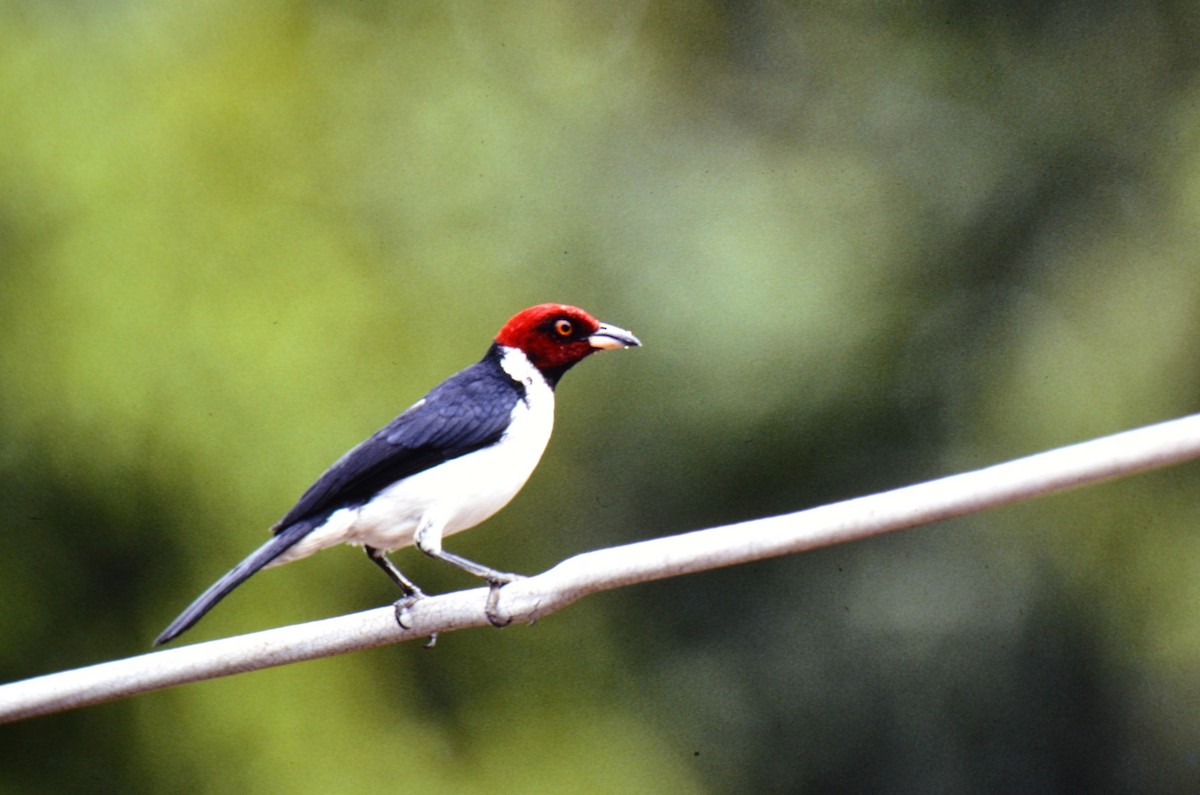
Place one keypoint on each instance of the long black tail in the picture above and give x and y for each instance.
(238, 575)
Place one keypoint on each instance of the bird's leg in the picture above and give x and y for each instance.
(411, 593)
(406, 586)
(492, 576)
(428, 539)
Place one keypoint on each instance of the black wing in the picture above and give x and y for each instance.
(468, 411)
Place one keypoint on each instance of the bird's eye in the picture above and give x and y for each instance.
(563, 327)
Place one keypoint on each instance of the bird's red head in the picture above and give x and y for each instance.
(556, 336)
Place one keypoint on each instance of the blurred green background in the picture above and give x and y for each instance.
(864, 243)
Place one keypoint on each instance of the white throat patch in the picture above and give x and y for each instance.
(517, 365)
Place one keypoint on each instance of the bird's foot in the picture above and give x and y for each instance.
(404, 609)
(404, 614)
(491, 609)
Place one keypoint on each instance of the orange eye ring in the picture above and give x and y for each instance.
(563, 327)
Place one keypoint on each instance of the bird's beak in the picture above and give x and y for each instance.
(610, 337)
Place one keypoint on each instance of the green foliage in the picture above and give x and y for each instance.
(864, 244)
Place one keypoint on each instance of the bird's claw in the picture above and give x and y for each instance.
(404, 609)
(491, 608)
(404, 617)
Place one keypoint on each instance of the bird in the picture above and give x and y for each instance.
(447, 463)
